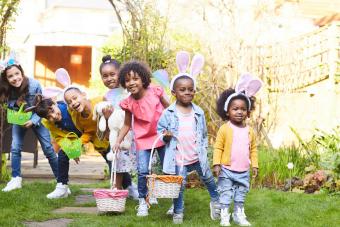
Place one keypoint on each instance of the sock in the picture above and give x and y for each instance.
(237, 205)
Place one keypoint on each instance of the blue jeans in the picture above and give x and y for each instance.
(63, 167)
(43, 135)
(232, 186)
(208, 180)
(143, 158)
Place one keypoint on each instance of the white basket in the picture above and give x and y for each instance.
(158, 188)
(111, 204)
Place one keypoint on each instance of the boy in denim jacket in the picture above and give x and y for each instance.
(184, 131)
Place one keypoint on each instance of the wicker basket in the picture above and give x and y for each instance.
(111, 200)
(162, 186)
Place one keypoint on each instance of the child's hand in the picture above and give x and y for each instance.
(28, 124)
(255, 172)
(216, 170)
(115, 148)
(77, 160)
(107, 111)
(167, 135)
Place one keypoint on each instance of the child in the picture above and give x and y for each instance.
(80, 109)
(58, 121)
(184, 130)
(142, 109)
(16, 90)
(234, 151)
(109, 69)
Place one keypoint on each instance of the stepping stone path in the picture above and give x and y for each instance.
(83, 210)
(84, 199)
(60, 222)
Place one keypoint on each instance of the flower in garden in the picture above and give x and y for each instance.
(290, 165)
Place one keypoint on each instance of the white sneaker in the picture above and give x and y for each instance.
(142, 208)
(225, 217)
(215, 210)
(14, 183)
(68, 191)
(177, 219)
(133, 191)
(240, 218)
(171, 210)
(153, 201)
(60, 191)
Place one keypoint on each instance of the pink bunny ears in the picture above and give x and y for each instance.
(64, 79)
(246, 86)
(182, 61)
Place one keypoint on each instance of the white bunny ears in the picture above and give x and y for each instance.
(64, 79)
(182, 61)
(246, 86)
(10, 60)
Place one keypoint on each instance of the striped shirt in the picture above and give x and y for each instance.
(186, 146)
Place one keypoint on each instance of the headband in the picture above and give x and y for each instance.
(182, 61)
(246, 86)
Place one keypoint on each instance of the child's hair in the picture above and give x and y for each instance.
(73, 88)
(138, 67)
(223, 98)
(42, 106)
(182, 77)
(106, 60)
(6, 88)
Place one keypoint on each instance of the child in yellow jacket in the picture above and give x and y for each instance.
(234, 153)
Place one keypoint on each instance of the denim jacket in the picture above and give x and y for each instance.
(34, 88)
(169, 121)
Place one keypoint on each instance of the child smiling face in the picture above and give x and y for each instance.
(14, 76)
(75, 99)
(109, 75)
(54, 114)
(184, 90)
(237, 111)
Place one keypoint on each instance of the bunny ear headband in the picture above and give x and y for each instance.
(64, 79)
(9, 61)
(182, 61)
(246, 86)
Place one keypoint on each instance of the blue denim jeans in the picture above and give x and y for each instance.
(232, 186)
(208, 180)
(63, 167)
(143, 158)
(43, 135)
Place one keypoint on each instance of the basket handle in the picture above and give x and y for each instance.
(153, 150)
(21, 109)
(113, 173)
(71, 134)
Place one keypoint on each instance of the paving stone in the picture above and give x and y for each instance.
(60, 222)
(83, 199)
(87, 189)
(83, 210)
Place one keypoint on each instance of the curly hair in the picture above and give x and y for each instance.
(223, 98)
(106, 60)
(6, 88)
(137, 67)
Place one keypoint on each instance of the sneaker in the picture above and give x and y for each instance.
(177, 218)
(14, 183)
(60, 191)
(153, 201)
(215, 210)
(142, 208)
(225, 217)
(68, 191)
(240, 218)
(133, 191)
(171, 210)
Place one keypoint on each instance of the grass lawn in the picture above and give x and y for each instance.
(263, 208)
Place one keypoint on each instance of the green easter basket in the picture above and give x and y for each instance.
(18, 117)
(71, 145)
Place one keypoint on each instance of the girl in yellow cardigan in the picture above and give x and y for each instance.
(235, 149)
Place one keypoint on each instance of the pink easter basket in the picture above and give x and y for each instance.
(113, 199)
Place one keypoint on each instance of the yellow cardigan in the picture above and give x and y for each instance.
(88, 127)
(56, 133)
(222, 147)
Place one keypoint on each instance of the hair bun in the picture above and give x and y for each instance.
(106, 58)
